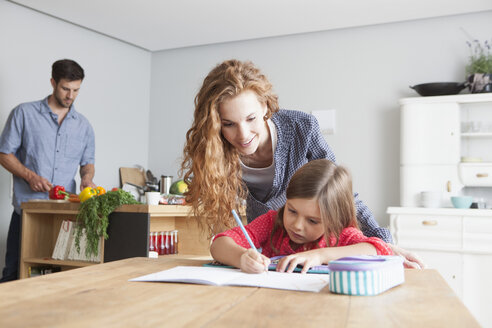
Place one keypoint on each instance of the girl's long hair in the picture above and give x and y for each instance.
(210, 163)
(331, 185)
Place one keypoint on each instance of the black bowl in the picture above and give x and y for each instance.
(439, 88)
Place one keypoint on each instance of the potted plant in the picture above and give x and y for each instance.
(479, 68)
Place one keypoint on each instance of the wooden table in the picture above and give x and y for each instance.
(101, 296)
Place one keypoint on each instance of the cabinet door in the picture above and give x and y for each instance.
(477, 234)
(417, 178)
(477, 288)
(449, 265)
(430, 134)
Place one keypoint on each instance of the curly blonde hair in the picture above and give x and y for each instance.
(210, 163)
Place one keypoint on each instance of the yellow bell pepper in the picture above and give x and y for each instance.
(87, 193)
(100, 190)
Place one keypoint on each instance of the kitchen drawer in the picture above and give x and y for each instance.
(477, 235)
(428, 231)
(476, 174)
(437, 223)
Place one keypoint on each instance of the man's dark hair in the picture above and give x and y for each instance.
(66, 69)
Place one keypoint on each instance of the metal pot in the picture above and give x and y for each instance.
(439, 88)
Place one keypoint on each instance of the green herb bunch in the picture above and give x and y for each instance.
(480, 58)
(93, 216)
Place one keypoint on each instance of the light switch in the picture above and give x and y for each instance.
(326, 120)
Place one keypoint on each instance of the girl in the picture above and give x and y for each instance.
(318, 215)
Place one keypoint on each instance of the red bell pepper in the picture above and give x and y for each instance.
(58, 192)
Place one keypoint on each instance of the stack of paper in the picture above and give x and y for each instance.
(64, 241)
(74, 255)
(65, 248)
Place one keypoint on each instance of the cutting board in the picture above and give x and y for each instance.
(132, 175)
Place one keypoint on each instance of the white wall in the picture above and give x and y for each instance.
(360, 72)
(114, 95)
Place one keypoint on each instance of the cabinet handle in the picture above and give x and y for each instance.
(482, 175)
(448, 186)
(429, 222)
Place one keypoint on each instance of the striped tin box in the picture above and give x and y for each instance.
(365, 275)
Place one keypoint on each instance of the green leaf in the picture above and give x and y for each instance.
(93, 216)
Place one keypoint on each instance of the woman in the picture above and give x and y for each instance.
(242, 146)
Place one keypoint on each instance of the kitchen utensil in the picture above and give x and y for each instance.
(153, 197)
(132, 175)
(462, 201)
(439, 88)
(166, 182)
(151, 187)
(431, 199)
(151, 179)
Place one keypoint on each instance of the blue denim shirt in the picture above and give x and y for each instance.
(53, 151)
(299, 140)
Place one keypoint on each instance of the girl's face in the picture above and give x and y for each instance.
(302, 220)
(242, 122)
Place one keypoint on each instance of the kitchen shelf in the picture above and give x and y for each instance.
(48, 261)
(128, 230)
(477, 135)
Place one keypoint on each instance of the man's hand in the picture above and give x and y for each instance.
(86, 175)
(14, 166)
(411, 261)
(87, 183)
(38, 183)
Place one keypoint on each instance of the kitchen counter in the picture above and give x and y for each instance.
(128, 230)
(441, 211)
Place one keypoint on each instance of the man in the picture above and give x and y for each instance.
(42, 144)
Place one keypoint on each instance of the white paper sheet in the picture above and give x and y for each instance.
(234, 277)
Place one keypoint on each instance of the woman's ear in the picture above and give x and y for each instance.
(266, 115)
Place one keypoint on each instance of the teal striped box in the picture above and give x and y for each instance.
(365, 275)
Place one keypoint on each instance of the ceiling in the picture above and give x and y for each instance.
(156, 25)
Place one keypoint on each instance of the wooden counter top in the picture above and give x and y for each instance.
(47, 206)
(102, 296)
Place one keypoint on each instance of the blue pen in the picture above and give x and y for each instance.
(240, 224)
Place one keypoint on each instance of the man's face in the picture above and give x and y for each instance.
(65, 91)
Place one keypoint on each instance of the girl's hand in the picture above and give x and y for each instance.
(253, 262)
(306, 259)
(411, 260)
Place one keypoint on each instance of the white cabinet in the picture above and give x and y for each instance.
(477, 286)
(446, 146)
(449, 265)
(417, 178)
(437, 133)
(430, 133)
(457, 243)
